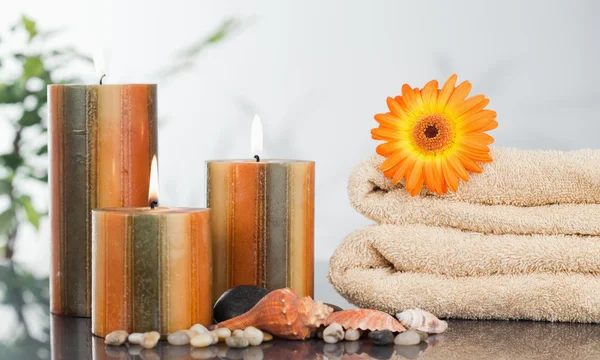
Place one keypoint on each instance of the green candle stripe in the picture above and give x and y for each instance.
(146, 272)
(277, 226)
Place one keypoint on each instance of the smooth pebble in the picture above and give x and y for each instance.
(135, 338)
(202, 340)
(199, 328)
(267, 337)
(134, 349)
(204, 353)
(333, 333)
(423, 335)
(383, 337)
(254, 353)
(215, 337)
(352, 335)
(334, 351)
(222, 333)
(253, 335)
(150, 339)
(178, 338)
(237, 342)
(409, 337)
(116, 338)
(351, 347)
(237, 301)
(238, 332)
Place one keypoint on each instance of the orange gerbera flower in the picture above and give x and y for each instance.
(434, 136)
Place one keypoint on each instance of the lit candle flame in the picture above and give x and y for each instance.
(256, 136)
(153, 192)
(99, 64)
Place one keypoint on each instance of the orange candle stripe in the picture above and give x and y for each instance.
(152, 270)
(262, 224)
(102, 140)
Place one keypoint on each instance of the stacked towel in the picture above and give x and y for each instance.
(519, 241)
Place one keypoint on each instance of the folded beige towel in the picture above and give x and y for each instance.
(532, 192)
(466, 275)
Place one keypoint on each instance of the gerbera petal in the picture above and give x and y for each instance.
(469, 164)
(388, 120)
(459, 94)
(395, 108)
(430, 179)
(441, 183)
(480, 137)
(408, 95)
(474, 110)
(446, 91)
(471, 145)
(403, 105)
(389, 147)
(450, 176)
(469, 104)
(415, 181)
(394, 159)
(382, 133)
(457, 167)
(491, 126)
(405, 166)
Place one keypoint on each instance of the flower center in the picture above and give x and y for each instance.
(432, 133)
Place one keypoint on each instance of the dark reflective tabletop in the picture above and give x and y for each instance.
(70, 339)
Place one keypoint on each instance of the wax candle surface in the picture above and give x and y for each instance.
(262, 224)
(151, 270)
(102, 139)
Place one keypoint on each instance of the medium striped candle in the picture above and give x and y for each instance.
(262, 224)
(102, 139)
(151, 269)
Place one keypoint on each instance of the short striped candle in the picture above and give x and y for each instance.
(102, 140)
(262, 224)
(151, 269)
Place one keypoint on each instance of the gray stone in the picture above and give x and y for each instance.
(383, 337)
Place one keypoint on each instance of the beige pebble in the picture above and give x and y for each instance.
(179, 338)
(238, 332)
(237, 342)
(199, 328)
(351, 347)
(222, 333)
(409, 337)
(202, 340)
(253, 335)
(333, 333)
(204, 353)
(149, 354)
(267, 336)
(352, 335)
(134, 349)
(150, 339)
(215, 337)
(135, 338)
(116, 338)
(424, 336)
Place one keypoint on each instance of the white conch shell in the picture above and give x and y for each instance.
(422, 320)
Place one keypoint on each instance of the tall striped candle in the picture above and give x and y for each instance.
(102, 139)
(262, 224)
(151, 269)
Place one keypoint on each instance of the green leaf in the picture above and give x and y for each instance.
(12, 93)
(30, 118)
(33, 216)
(8, 220)
(42, 150)
(33, 67)
(11, 160)
(29, 26)
(5, 186)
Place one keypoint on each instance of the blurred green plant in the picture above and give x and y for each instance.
(24, 98)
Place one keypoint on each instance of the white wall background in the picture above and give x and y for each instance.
(317, 72)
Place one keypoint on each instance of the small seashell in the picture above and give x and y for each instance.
(222, 333)
(253, 335)
(238, 332)
(135, 338)
(365, 319)
(237, 342)
(409, 337)
(116, 338)
(352, 335)
(284, 314)
(199, 328)
(202, 340)
(267, 336)
(381, 337)
(179, 338)
(150, 339)
(333, 333)
(422, 320)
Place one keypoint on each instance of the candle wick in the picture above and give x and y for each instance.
(102, 77)
(257, 158)
(153, 204)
